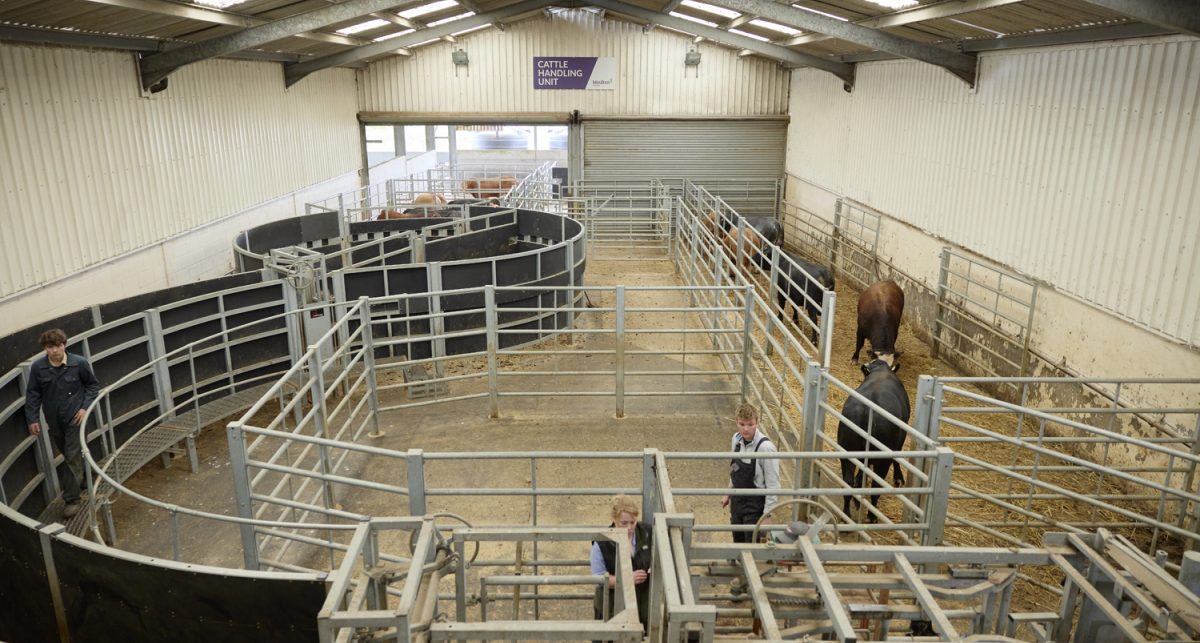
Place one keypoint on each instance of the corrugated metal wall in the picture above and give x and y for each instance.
(651, 80)
(90, 170)
(1077, 165)
(702, 151)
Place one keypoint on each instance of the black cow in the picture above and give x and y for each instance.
(459, 208)
(882, 387)
(799, 278)
(879, 311)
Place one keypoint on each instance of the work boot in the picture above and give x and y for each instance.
(70, 509)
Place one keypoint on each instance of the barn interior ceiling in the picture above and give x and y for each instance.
(831, 35)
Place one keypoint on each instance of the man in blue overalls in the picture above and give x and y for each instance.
(750, 473)
(61, 386)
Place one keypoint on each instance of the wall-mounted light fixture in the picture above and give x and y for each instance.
(459, 57)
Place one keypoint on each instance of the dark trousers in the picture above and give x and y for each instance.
(745, 510)
(70, 477)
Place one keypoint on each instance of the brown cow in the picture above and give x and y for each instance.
(752, 247)
(426, 198)
(485, 188)
(879, 311)
(425, 202)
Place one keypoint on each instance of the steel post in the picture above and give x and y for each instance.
(813, 420)
(235, 435)
(437, 323)
(415, 464)
(828, 313)
(649, 488)
(493, 345)
(938, 501)
(620, 350)
(368, 348)
(747, 338)
(774, 297)
(317, 391)
(939, 318)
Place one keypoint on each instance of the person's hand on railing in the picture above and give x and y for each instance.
(35, 428)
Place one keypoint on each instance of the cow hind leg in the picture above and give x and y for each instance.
(858, 344)
(880, 467)
(850, 476)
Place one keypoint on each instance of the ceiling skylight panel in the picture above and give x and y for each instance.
(767, 24)
(432, 7)
(218, 4)
(720, 11)
(394, 35)
(363, 26)
(693, 19)
(749, 35)
(894, 4)
(459, 33)
(451, 19)
(827, 15)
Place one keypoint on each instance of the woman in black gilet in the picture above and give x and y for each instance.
(604, 559)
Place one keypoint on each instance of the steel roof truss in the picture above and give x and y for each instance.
(782, 54)
(1177, 15)
(947, 9)
(961, 65)
(215, 16)
(156, 67)
(294, 73)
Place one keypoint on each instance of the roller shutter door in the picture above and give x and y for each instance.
(672, 150)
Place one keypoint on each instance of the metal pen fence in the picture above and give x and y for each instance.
(750, 197)
(984, 315)
(1067, 458)
(623, 219)
(787, 283)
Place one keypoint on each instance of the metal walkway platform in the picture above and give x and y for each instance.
(163, 440)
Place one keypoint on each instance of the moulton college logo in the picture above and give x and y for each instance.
(574, 72)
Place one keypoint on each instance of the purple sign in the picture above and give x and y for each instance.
(574, 72)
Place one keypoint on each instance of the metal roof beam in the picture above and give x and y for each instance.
(216, 16)
(1074, 36)
(122, 43)
(734, 23)
(962, 65)
(782, 54)
(397, 20)
(293, 73)
(474, 7)
(947, 9)
(1177, 15)
(155, 67)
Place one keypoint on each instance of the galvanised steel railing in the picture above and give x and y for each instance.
(1072, 455)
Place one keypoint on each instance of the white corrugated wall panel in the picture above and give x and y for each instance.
(651, 77)
(1077, 165)
(90, 170)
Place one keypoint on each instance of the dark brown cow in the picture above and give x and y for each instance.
(484, 188)
(879, 311)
